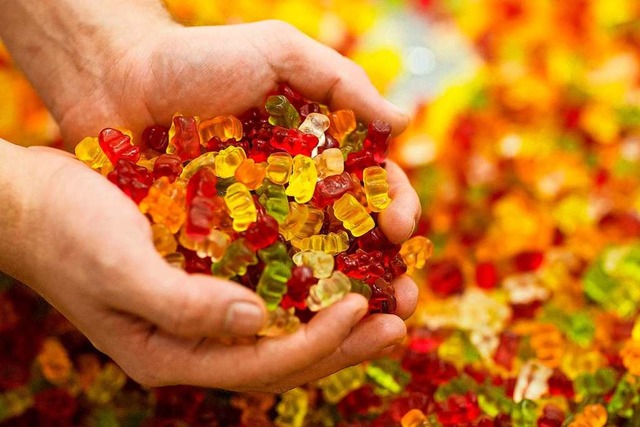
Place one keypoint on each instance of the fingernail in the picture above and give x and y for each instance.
(243, 318)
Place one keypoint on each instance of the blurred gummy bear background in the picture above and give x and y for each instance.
(524, 147)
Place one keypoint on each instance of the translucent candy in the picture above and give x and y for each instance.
(274, 200)
(273, 283)
(328, 291)
(176, 260)
(89, 152)
(302, 182)
(206, 159)
(330, 162)
(228, 160)
(591, 416)
(222, 127)
(281, 112)
(320, 262)
(235, 260)
(342, 123)
(213, 246)
(241, 206)
(376, 188)
(292, 408)
(250, 173)
(107, 384)
(295, 219)
(166, 204)
(415, 252)
(280, 322)
(331, 243)
(163, 239)
(184, 139)
(315, 124)
(279, 167)
(353, 215)
(336, 386)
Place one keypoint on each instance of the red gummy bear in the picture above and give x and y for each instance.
(167, 165)
(116, 145)
(298, 287)
(263, 232)
(201, 208)
(293, 141)
(331, 189)
(132, 179)
(156, 138)
(186, 139)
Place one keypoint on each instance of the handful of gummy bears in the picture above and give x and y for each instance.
(283, 202)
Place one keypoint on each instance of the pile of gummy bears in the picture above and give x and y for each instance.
(281, 202)
(528, 174)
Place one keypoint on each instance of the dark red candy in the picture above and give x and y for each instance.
(394, 262)
(331, 189)
(186, 140)
(329, 142)
(507, 349)
(486, 275)
(195, 264)
(360, 401)
(167, 165)
(552, 416)
(133, 180)
(458, 409)
(263, 232)
(298, 287)
(293, 141)
(528, 261)
(117, 145)
(55, 403)
(308, 108)
(377, 140)
(361, 265)
(201, 207)
(294, 97)
(383, 298)
(156, 137)
(560, 385)
(375, 239)
(445, 278)
(401, 405)
(359, 161)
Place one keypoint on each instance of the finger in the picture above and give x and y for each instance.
(374, 337)
(399, 219)
(406, 293)
(255, 366)
(188, 305)
(321, 73)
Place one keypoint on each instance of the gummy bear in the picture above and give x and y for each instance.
(211, 246)
(415, 252)
(280, 321)
(275, 201)
(338, 385)
(301, 280)
(132, 179)
(281, 112)
(263, 232)
(361, 265)
(117, 145)
(156, 137)
(320, 262)
(293, 141)
(206, 159)
(331, 188)
(165, 202)
(376, 188)
(296, 217)
(250, 173)
(292, 408)
(315, 124)
(331, 243)
(279, 167)
(222, 127)
(330, 162)
(88, 151)
(200, 206)
(228, 160)
(342, 123)
(353, 215)
(273, 283)
(328, 291)
(167, 165)
(377, 140)
(235, 260)
(184, 139)
(241, 206)
(163, 239)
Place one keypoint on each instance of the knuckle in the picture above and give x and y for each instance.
(189, 314)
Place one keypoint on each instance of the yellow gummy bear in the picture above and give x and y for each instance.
(376, 188)
(241, 207)
(303, 179)
(228, 160)
(353, 215)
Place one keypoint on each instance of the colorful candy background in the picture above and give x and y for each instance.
(525, 150)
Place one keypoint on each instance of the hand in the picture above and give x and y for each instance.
(209, 71)
(89, 253)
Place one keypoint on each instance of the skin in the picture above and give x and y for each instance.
(84, 246)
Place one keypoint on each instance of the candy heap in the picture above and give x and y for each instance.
(283, 202)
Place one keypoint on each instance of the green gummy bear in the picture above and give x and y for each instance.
(281, 112)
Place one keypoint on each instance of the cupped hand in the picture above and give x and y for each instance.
(90, 254)
(161, 325)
